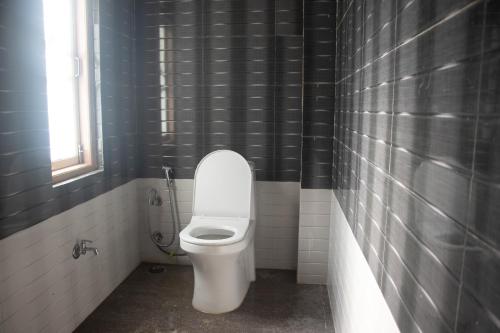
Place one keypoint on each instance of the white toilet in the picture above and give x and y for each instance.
(219, 239)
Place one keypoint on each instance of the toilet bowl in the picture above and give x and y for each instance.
(219, 239)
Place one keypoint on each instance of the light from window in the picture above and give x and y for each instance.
(67, 53)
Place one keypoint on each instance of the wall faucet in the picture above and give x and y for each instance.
(81, 248)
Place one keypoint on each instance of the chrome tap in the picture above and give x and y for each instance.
(81, 248)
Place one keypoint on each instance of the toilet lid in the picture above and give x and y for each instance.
(222, 185)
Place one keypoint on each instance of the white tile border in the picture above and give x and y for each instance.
(42, 288)
(356, 301)
(277, 228)
(314, 227)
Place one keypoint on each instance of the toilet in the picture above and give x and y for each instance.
(219, 239)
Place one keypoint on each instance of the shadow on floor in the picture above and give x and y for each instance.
(161, 302)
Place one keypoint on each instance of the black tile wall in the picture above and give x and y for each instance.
(26, 192)
(221, 75)
(416, 155)
(318, 93)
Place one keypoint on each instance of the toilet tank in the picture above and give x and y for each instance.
(223, 186)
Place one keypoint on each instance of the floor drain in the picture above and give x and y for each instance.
(156, 269)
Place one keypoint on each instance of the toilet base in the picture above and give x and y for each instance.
(221, 281)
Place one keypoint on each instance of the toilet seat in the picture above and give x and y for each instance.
(238, 226)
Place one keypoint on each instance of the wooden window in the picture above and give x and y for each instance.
(70, 87)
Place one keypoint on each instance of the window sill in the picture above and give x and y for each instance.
(73, 173)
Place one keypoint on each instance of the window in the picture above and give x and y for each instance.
(69, 67)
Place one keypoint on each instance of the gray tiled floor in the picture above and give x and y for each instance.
(147, 302)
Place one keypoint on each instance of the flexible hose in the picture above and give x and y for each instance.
(151, 233)
(165, 248)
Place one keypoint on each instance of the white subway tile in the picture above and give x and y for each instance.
(314, 232)
(315, 195)
(314, 220)
(319, 245)
(289, 210)
(314, 257)
(312, 207)
(311, 279)
(314, 268)
(278, 221)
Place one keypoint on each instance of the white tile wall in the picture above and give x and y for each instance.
(356, 301)
(276, 230)
(314, 228)
(43, 289)
(277, 224)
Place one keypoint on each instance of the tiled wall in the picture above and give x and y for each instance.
(43, 289)
(314, 226)
(317, 140)
(275, 234)
(26, 193)
(221, 74)
(416, 155)
(356, 301)
(277, 224)
(318, 93)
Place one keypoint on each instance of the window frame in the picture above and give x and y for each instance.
(86, 159)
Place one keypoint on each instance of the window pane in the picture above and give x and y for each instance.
(61, 82)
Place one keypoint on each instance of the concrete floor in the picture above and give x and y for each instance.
(161, 302)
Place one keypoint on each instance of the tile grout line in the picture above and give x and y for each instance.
(275, 64)
(203, 79)
(301, 174)
(357, 166)
(384, 231)
(471, 181)
(334, 99)
(344, 14)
